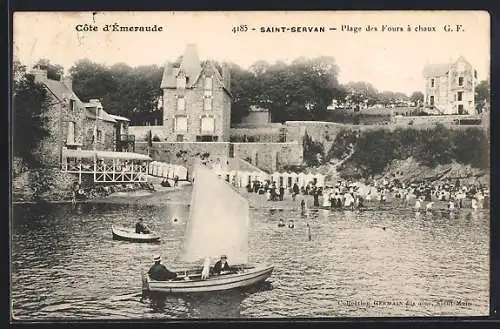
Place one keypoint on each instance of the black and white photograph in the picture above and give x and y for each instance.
(249, 165)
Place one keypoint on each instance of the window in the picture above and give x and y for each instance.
(70, 138)
(207, 125)
(72, 105)
(181, 82)
(460, 109)
(180, 138)
(460, 96)
(180, 124)
(99, 136)
(207, 138)
(475, 74)
(207, 103)
(432, 83)
(208, 87)
(208, 83)
(460, 81)
(431, 100)
(181, 104)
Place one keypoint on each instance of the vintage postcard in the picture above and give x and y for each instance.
(194, 165)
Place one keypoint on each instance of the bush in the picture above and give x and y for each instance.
(375, 150)
(313, 151)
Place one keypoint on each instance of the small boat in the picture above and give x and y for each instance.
(191, 282)
(127, 234)
(218, 225)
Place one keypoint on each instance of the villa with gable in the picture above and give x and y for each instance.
(450, 87)
(197, 123)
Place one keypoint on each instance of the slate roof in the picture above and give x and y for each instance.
(191, 67)
(59, 90)
(118, 118)
(436, 70)
(91, 113)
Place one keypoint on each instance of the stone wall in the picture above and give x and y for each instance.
(184, 153)
(141, 132)
(270, 156)
(432, 119)
(256, 118)
(49, 149)
(108, 132)
(324, 132)
(271, 133)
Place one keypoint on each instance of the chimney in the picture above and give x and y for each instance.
(226, 76)
(40, 74)
(67, 81)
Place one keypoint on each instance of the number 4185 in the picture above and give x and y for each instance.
(240, 28)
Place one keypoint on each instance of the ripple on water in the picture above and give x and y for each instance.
(65, 264)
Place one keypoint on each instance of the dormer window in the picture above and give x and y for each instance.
(460, 81)
(208, 85)
(432, 83)
(181, 82)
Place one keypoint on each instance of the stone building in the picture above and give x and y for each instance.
(76, 125)
(257, 116)
(66, 116)
(196, 100)
(449, 88)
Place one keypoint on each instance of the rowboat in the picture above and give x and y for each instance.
(127, 234)
(191, 282)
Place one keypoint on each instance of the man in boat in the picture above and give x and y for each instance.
(140, 227)
(159, 272)
(222, 266)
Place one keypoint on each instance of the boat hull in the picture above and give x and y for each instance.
(245, 278)
(124, 234)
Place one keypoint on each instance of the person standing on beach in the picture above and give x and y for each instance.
(316, 197)
(295, 191)
(417, 205)
(451, 205)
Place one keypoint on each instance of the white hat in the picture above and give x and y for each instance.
(157, 258)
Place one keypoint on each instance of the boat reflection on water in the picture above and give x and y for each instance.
(219, 304)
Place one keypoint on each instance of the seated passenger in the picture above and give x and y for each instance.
(159, 272)
(221, 266)
(140, 227)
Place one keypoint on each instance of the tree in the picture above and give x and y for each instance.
(123, 90)
(483, 94)
(54, 71)
(313, 151)
(30, 101)
(245, 91)
(387, 97)
(301, 90)
(417, 97)
(361, 92)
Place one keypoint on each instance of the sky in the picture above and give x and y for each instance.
(390, 60)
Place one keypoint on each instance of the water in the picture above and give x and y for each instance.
(65, 265)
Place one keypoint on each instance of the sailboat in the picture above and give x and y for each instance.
(218, 224)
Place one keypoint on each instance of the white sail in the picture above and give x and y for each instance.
(218, 220)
